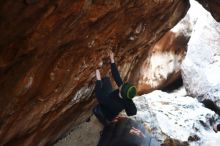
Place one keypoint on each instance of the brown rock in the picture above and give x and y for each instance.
(50, 49)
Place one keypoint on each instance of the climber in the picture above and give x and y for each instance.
(112, 102)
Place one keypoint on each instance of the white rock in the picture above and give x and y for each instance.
(175, 116)
(201, 66)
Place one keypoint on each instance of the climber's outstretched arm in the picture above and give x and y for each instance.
(114, 70)
(98, 85)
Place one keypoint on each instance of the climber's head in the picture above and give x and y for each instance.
(127, 91)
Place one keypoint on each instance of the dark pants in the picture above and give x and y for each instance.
(106, 89)
(100, 111)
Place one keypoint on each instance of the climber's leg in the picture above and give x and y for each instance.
(103, 92)
(99, 112)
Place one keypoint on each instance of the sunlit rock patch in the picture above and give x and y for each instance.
(178, 117)
(161, 66)
(201, 66)
(162, 63)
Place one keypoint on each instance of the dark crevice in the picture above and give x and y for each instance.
(211, 105)
(173, 86)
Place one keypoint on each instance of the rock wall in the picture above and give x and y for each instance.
(161, 63)
(201, 66)
(50, 49)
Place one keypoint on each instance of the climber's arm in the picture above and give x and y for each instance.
(114, 70)
(98, 75)
(98, 85)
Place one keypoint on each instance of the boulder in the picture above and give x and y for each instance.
(173, 116)
(49, 51)
(201, 66)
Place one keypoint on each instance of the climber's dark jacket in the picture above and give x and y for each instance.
(110, 102)
(119, 134)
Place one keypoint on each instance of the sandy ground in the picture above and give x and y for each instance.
(86, 134)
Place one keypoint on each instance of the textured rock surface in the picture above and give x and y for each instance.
(213, 6)
(179, 117)
(50, 49)
(213, 94)
(161, 64)
(201, 66)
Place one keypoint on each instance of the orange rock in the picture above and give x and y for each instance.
(49, 51)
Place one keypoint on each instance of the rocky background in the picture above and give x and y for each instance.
(177, 118)
(49, 51)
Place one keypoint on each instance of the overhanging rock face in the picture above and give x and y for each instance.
(50, 49)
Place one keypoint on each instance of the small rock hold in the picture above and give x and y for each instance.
(91, 44)
(131, 38)
(138, 29)
(52, 76)
(56, 90)
(29, 82)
